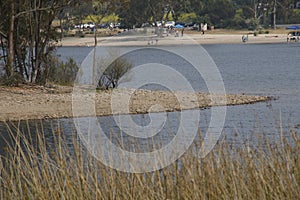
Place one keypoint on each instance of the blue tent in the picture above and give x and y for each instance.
(178, 26)
(293, 27)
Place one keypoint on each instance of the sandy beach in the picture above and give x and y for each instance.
(187, 39)
(37, 102)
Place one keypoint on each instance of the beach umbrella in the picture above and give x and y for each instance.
(178, 26)
(293, 27)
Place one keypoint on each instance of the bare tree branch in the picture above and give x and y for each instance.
(3, 35)
(43, 9)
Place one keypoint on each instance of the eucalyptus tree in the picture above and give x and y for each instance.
(178, 7)
(102, 9)
(284, 10)
(266, 12)
(137, 12)
(81, 11)
(216, 12)
(28, 37)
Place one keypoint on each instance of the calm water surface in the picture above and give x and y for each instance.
(258, 69)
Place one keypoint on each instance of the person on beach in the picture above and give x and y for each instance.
(182, 30)
(244, 38)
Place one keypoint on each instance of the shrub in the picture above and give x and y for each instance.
(66, 72)
(112, 74)
(80, 34)
(12, 81)
(62, 72)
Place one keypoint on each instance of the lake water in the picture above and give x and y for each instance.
(257, 69)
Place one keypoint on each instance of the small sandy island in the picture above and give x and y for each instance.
(37, 102)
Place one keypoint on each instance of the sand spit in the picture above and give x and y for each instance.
(36, 102)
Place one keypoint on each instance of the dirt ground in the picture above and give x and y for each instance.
(37, 102)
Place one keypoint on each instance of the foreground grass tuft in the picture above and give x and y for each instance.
(58, 171)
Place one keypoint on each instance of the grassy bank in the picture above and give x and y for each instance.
(58, 171)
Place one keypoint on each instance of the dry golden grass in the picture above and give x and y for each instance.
(58, 172)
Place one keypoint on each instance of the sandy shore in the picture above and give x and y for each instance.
(33, 102)
(187, 39)
(36, 102)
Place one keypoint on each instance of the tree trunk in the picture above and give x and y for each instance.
(10, 60)
(61, 27)
(95, 71)
(36, 42)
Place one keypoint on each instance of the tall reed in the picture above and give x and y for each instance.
(58, 171)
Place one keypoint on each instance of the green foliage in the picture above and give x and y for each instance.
(105, 19)
(187, 17)
(253, 24)
(263, 32)
(295, 17)
(58, 72)
(63, 73)
(28, 27)
(204, 19)
(220, 13)
(82, 11)
(80, 34)
(238, 22)
(12, 81)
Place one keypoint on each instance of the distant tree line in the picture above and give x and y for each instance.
(220, 13)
